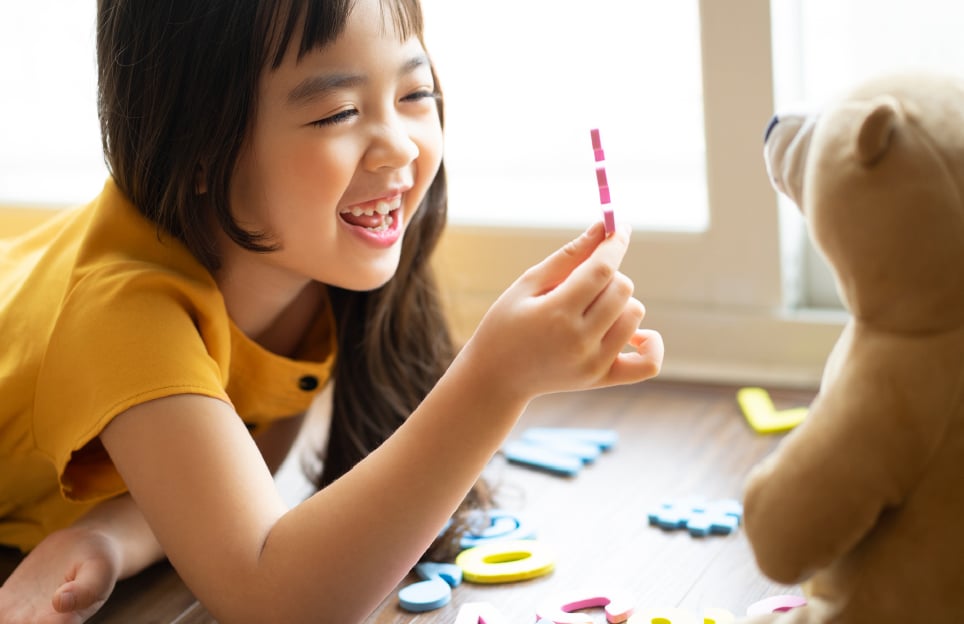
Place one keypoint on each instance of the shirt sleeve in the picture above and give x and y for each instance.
(123, 338)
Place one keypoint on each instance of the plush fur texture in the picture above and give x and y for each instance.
(864, 502)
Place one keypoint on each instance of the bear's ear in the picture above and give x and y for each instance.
(873, 135)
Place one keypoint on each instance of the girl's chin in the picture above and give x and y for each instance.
(371, 281)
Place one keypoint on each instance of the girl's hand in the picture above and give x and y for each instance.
(565, 324)
(71, 573)
(64, 580)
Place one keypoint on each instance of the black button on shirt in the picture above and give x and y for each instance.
(308, 383)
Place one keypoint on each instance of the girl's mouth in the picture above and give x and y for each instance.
(377, 216)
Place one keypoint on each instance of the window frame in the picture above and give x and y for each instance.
(717, 296)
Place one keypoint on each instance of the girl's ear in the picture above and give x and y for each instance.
(200, 180)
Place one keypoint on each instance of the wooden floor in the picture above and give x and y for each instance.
(675, 440)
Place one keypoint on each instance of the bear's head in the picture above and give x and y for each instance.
(879, 177)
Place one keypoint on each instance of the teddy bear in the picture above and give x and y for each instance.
(863, 503)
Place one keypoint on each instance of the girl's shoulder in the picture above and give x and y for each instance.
(119, 309)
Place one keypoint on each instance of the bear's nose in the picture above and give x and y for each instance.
(770, 126)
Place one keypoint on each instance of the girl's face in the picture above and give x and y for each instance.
(344, 146)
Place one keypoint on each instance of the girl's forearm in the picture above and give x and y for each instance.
(393, 504)
(121, 520)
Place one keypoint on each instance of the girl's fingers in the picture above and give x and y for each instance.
(642, 364)
(610, 304)
(552, 271)
(86, 590)
(589, 279)
(622, 329)
(64, 600)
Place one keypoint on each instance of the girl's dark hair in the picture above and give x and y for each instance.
(177, 92)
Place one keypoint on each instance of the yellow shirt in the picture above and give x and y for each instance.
(98, 314)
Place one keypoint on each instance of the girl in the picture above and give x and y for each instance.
(276, 192)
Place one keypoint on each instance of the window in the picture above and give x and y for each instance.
(685, 95)
(50, 151)
(524, 82)
(737, 291)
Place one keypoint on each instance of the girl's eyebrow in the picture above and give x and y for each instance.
(318, 85)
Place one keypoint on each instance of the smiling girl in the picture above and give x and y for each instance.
(276, 192)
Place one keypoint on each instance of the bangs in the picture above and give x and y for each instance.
(323, 20)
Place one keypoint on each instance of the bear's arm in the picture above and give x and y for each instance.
(870, 432)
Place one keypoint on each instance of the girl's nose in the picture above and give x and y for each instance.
(392, 146)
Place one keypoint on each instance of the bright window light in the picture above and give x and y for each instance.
(50, 150)
(524, 82)
(823, 47)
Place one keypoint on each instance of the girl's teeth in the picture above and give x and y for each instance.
(384, 225)
(381, 207)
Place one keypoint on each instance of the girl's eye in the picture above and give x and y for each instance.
(422, 94)
(337, 118)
